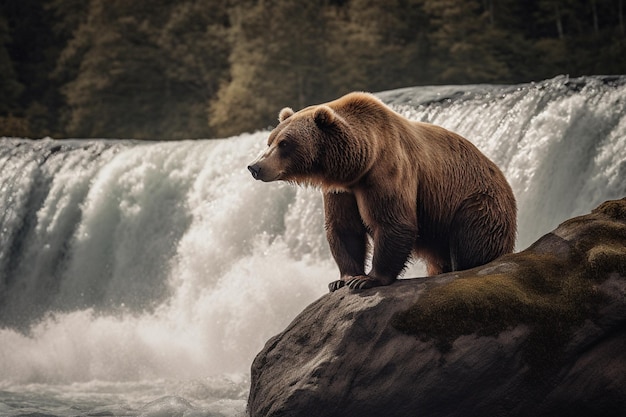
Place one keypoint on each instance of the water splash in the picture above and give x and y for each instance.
(157, 260)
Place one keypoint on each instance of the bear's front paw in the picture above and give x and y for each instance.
(335, 285)
(362, 282)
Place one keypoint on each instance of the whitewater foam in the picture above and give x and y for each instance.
(173, 263)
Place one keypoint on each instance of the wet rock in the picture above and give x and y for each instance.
(538, 333)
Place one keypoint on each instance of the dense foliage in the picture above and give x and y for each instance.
(205, 68)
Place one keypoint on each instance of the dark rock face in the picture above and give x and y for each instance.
(537, 333)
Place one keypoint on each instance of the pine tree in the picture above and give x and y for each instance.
(194, 44)
(29, 51)
(145, 70)
(466, 45)
(277, 60)
(10, 88)
(377, 45)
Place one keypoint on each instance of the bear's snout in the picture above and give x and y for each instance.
(265, 169)
(255, 170)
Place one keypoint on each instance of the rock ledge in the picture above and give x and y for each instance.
(537, 333)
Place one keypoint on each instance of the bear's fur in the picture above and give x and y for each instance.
(413, 187)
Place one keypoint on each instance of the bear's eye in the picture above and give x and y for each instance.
(283, 144)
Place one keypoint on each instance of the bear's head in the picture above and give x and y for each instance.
(314, 146)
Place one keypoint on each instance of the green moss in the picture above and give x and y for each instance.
(552, 289)
(539, 293)
(602, 233)
(615, 209)
(605, 259)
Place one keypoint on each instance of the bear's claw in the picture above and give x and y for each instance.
(362, 283)
(359, 282)
(335, 285)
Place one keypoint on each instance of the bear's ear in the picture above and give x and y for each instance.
(285, 114)
(324, 116)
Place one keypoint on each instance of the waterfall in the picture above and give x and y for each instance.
(130, 260)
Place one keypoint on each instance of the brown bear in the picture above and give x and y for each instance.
(412, 187)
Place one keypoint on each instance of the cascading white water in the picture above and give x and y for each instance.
(124, 261)
(149, 260)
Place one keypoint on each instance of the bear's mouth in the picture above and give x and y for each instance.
(278, 177)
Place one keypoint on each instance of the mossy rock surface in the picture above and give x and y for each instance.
(550, 287)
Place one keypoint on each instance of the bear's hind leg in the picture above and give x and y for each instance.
(477, 234)
(435, 262)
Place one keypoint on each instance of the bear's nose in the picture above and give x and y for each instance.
(254, 170)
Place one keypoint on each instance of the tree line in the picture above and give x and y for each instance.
(168, 69)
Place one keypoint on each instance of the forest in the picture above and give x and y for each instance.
(166, 69)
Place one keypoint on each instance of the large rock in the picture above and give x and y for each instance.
(537, 333)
